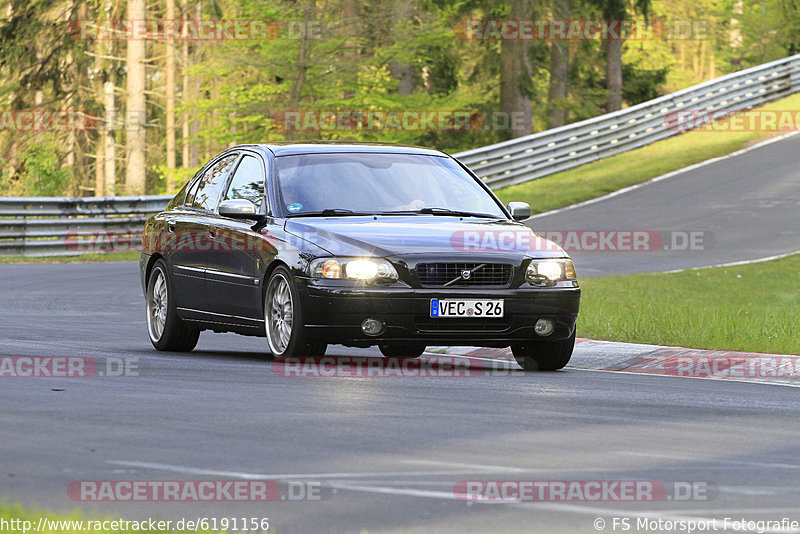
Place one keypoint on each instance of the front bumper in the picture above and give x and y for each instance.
(335, 313)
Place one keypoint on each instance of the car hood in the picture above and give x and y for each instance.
(442, 236)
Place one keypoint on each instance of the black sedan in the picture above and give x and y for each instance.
(354, 244)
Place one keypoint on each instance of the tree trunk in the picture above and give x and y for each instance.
(712, 65)
(614, 74)
(194, 125)
(99, 167)
(559, 70)
(735, 33)
(70, 103)
(100, 147)
(702, 59)
(136, 142)
(108, 128)
(614, 10)
(350, 52)
(13, 150)
(296, 90)
(110, 151)
(402, 72)
(185, 87)
(516, 78)
(169, 80)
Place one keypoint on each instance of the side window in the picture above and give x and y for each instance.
(191, 193)
(211, 183)
(248, 182)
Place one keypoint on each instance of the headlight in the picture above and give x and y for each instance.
(550, 271)
(364, 269)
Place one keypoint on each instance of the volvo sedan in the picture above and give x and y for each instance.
(359, 245)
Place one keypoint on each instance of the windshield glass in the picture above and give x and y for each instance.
(378, 183)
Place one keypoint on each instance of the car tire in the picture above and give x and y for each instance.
(402, 350)
(283, 318)
(166, 330)
(316, 348)
(542, 355)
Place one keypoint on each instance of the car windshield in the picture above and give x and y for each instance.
(357, 183)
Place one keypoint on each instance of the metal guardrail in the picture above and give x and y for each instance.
(44, 226)
(558, 149)
(37, 226)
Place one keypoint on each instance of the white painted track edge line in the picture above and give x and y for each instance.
(733, 263)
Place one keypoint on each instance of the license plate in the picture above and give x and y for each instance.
(466, 308)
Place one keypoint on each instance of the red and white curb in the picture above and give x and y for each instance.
(658, 360)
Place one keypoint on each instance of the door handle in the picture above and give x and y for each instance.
(171, 226)
(212, 234)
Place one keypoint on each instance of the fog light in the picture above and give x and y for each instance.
(544, 327)
(372, 327)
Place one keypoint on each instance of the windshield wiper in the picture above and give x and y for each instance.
(329, 212)
(448, 211)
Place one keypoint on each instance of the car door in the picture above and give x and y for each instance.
(239, 254)
(190, 240)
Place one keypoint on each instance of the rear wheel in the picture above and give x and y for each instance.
(402, 350)
(166, 330)
(283, 319)
(541, 355)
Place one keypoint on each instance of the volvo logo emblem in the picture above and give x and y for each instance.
(466, 274)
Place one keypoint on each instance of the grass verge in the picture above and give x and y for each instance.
(612, 174)
(754, 308)
(82, 258)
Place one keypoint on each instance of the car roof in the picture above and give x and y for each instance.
(293, 149)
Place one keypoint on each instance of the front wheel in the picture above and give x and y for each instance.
(283, 319)
(166, 330)
(541, 355)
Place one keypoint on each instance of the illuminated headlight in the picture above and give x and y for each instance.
(353, 269)
(550, 271)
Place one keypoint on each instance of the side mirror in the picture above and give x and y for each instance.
(238, 208)
(519, 210)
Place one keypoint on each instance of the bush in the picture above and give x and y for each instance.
(42, 173)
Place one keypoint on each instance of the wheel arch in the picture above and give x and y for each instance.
(149, 269)
(267, 273)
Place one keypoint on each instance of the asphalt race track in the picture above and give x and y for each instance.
(385, 454)
(743, 207)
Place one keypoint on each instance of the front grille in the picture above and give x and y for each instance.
(450, 274)
(455, 324)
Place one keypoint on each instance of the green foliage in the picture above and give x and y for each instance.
(641, 84)
(352, 63)
(180, 176)
(42, 173)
